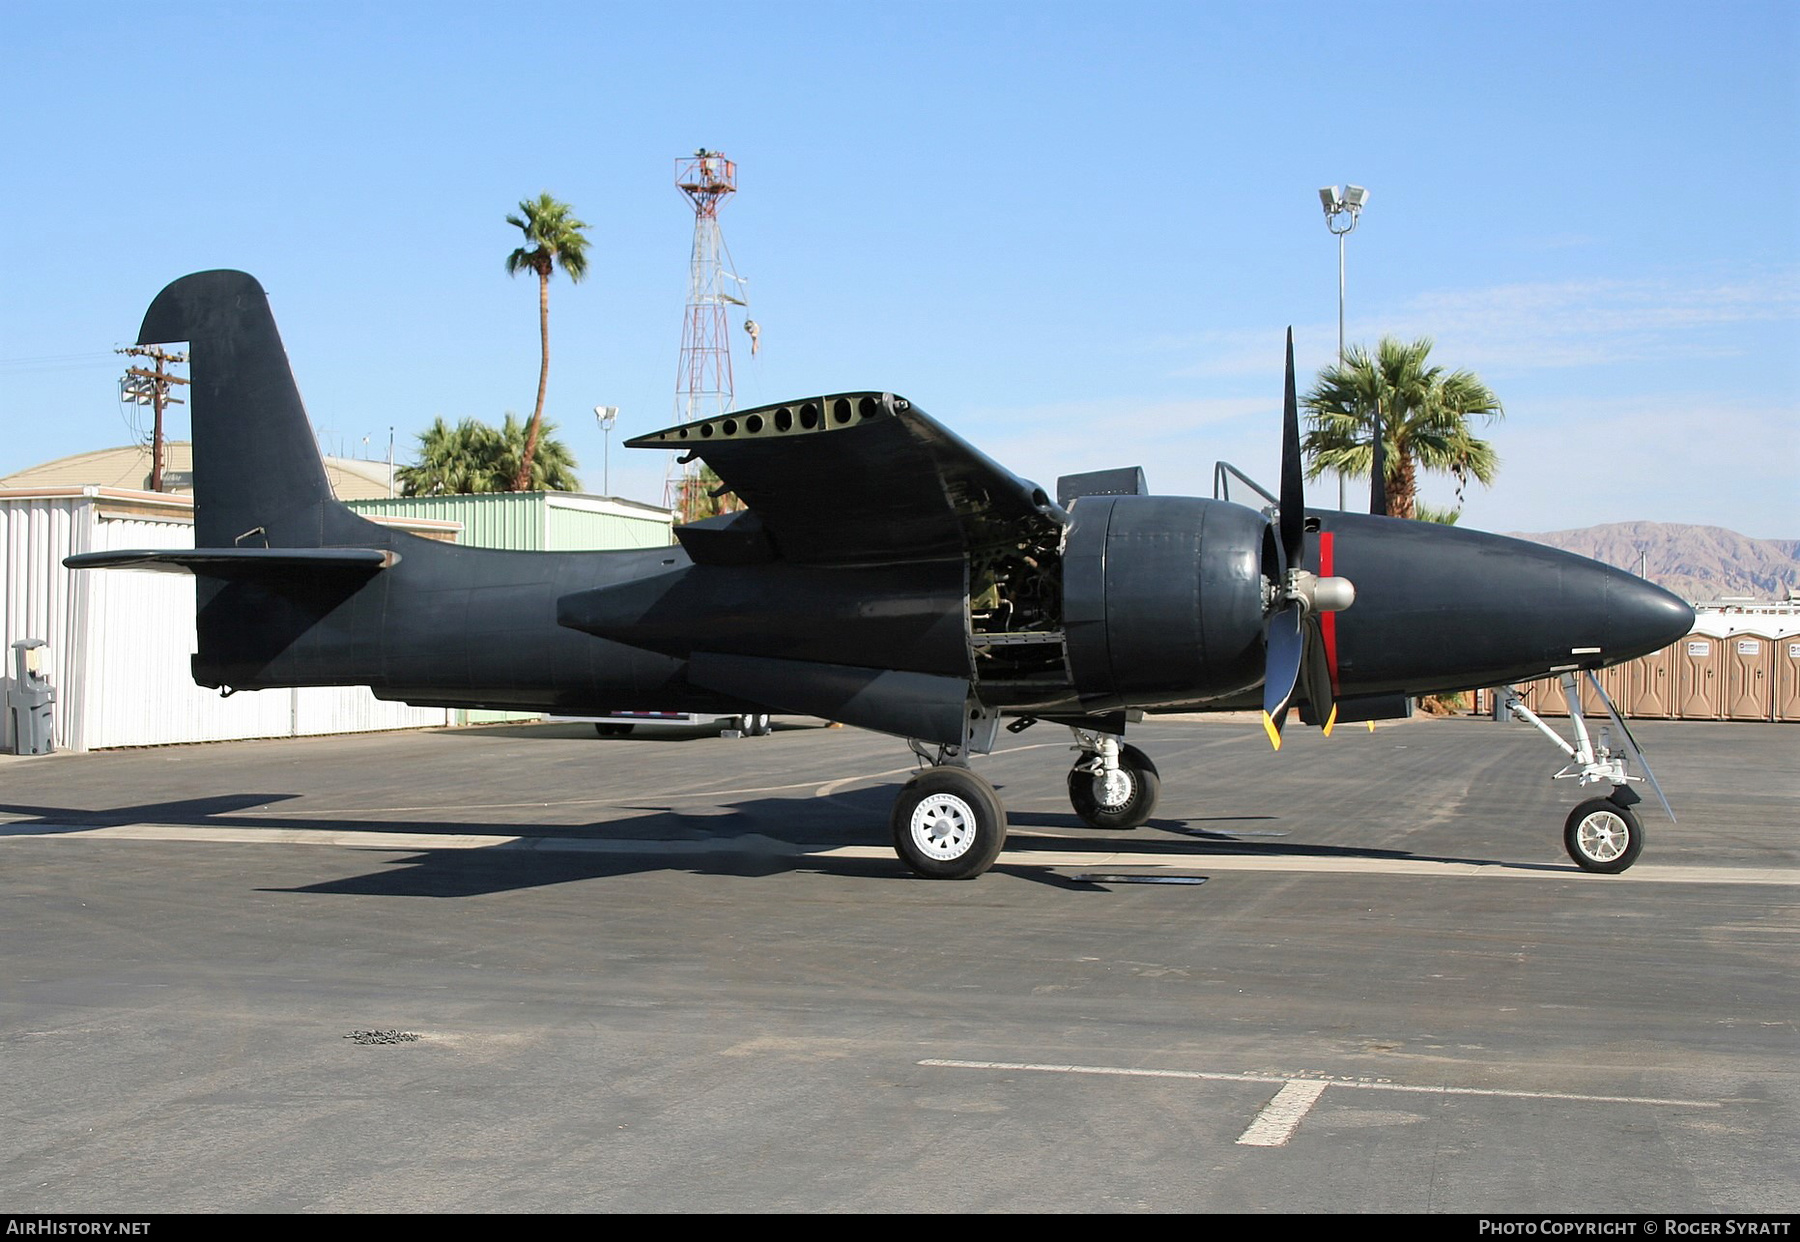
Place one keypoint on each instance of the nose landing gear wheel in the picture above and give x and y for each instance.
(1128, 808)
(948, 824)
(1603, 836)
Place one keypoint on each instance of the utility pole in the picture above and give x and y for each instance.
(151, 388)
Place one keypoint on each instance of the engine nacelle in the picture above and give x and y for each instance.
(1162, 600)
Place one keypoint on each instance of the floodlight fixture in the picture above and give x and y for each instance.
(1342, 211)
(1342, 208)
(606, 416)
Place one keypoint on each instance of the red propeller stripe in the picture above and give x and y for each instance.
(1328, 620)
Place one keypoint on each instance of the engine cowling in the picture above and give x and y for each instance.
(1162, 600)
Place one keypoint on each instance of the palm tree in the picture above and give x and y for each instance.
(452, 460)
(1425, 413)
(473, 457)
(551, 468)
(553, 239)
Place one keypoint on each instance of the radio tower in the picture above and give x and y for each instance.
(703, 385)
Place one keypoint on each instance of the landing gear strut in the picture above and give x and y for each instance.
(1112, 785)
(1602, 834)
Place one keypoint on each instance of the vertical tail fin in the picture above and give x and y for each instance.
(258, 477)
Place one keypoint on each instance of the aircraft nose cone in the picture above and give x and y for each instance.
(1642, 617)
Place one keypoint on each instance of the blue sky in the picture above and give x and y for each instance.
(1074, 233)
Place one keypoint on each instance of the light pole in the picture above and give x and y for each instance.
(1342, 211)
(606, 416)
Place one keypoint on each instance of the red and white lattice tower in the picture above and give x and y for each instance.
(703, 385)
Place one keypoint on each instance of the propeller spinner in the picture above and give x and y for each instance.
(1296, 597)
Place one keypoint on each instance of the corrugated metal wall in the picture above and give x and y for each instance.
(493, 520)
(38, 597)
(534, 521)
(120, 641)
(576, 523)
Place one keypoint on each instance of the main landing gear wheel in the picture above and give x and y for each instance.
(1127, 808)
(948, 824)
(1603, 836)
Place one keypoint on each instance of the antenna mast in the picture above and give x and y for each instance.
(703, 383)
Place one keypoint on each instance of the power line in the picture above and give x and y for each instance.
(54, 362)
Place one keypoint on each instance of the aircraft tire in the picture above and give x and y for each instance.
(948, 824)
(1138, 806)
(603, 729)
(1603, 836)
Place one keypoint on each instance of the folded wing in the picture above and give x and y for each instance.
(863, 478)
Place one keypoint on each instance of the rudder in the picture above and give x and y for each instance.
(258, 478)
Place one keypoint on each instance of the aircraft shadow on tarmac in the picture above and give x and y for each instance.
(219, 809)
(750, 838)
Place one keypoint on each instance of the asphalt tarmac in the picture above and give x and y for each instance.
(688, 974)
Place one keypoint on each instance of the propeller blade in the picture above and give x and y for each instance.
(1293, 483)
(1378, 502)
(1282, 670)
(1315, 674)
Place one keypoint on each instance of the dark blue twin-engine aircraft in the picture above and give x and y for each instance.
(885, 574)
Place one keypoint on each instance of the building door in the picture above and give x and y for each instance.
(1698, 662)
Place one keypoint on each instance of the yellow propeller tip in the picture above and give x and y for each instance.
(1272, 731)
(1331, 721)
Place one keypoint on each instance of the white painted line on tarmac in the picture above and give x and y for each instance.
(612, 800)
(364, 839)
(1337, 865)
(821, 789)
(1281, 1116)
(1276, 1123)
(828, 788)
(1355, 1084)
(1080, 860)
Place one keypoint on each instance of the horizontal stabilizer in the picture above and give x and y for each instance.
(235, 563)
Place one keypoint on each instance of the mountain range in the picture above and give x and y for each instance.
(1695, 562)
